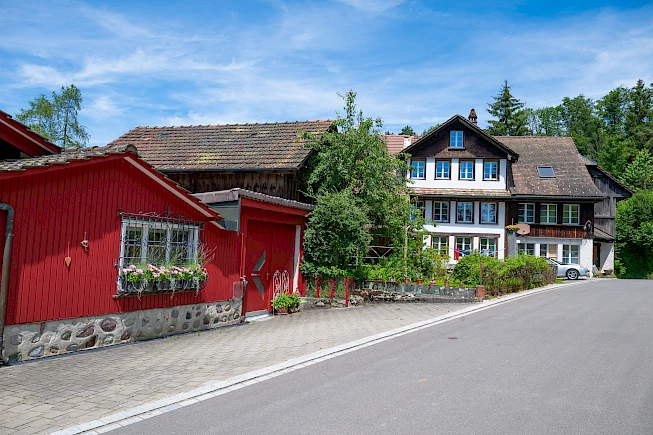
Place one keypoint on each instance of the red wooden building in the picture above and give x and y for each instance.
(17, 141)
(78, 219)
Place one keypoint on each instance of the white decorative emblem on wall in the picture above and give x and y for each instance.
(281, 282)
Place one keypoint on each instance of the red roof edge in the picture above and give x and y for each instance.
(23, 138)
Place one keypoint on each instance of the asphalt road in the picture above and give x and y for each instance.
(578, 360)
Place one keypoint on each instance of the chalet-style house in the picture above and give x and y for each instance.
(472, 185)
(265, 158)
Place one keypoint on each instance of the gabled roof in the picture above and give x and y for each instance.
(492, 139)
(66, 156)
(231, 147)
(589, 162)
(571, 180)
(395, 142)
(20, 136)
(236, 193)
(11, 168)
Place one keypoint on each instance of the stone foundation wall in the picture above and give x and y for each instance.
(36, 340)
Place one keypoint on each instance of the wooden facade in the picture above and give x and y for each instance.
(558, 230)
(285, 185)
(605, 212)
(57, 206)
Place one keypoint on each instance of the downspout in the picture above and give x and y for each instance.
(4, 285)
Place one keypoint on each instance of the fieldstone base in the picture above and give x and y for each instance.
(36, 340)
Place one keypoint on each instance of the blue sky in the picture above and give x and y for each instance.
(411, 62)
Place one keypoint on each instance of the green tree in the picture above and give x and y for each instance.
(639, 116)
(407, 131)
(639, 174)
(509, 111)
(354, 159)
(545, 121)
(634, 245)
(581, 123)
(430, 129)
(612, 110)
(55, 118)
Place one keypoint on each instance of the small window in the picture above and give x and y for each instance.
(526, 213)
(549, 250)
(488, 212)
(419, 209)
(546, 172)
(548, 214)
(440, 244)
(526, 248)
(571, 214)
(418, 169)
(466, 170)
(570, 254)
(491, 171)
(456, 139)
(463, 246)
(442, 170)
(441, 211)
(488, 247)
(465, 212)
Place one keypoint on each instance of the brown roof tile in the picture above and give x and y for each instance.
(395, 142)
(231, 147)
(64, 157)
(571, 176)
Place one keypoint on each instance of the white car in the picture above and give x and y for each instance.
(570, 271)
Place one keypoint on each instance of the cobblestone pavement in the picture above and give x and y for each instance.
(54, 393)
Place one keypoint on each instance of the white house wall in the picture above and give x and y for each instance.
(453, 228)
(455, 183)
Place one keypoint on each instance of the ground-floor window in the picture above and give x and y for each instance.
(488, 247)
(441, 244)
(549, 250)
(463, 245)
(570, 254)
(526, 248)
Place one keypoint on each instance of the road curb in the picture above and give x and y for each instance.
(152, 409)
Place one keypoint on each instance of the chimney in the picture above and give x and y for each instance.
(472, 117)
(407, 142)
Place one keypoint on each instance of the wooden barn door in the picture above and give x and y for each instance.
(257, 267)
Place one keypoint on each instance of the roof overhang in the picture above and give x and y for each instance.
(24, 139)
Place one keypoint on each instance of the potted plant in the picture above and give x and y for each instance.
(133, 277)
(294, 303)
(420, 281)
(282, 303)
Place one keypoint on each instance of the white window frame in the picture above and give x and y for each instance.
(496, 176)
(145, 226)
(488, 246)
(524, 219)
(567, 254)
(526, 248)
(545, 214)
(469, 176)
(465, 210)
(414, 169)
(439, 205)
(442, 248)
(567, 216)
(464, 246)
(456, 139)
(440, 174)
(496, 212)
(421, 207)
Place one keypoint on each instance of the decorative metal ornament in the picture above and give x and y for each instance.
(68, 259)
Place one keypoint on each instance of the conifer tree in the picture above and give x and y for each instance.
(509, 111)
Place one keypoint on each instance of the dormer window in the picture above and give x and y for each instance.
(546, 172)
(455, 139)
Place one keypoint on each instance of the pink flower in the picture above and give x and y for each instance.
(125, 270)
(139, 271)
(132, 267)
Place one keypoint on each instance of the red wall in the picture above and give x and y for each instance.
(55, 206)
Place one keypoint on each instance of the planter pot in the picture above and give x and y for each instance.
(433, 282)
(163, 285)
(406, 280)
(282, 310)
(446, 283)
(293, 310)
(419, 281)
(393, 280)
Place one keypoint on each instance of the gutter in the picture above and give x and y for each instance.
(4, 284)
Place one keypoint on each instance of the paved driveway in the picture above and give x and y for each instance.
(54, 393)
(578, 360)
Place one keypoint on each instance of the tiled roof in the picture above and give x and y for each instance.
(571, 177)
(395, 142)
(234, 194)
(460, 193)
(231, 147)
(64, 157)
(590, 162)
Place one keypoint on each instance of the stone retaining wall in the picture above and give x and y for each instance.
(417, 289)
(36, 340)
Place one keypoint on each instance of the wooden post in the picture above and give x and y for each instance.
(317, 287)
(347, 292)
(480, 278)
(333, 288)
